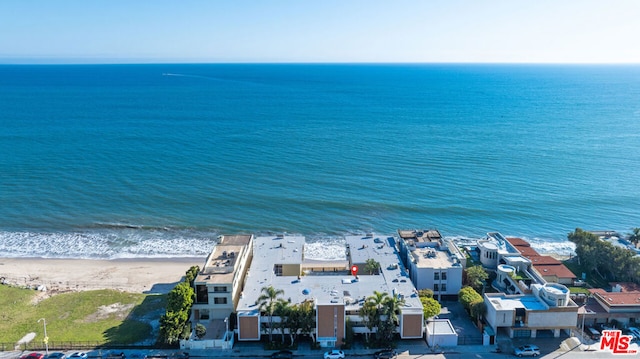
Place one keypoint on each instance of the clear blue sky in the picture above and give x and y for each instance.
(116, 31)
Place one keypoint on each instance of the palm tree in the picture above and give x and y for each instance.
(282, 310)
(375, 305)
(391, 308)
(267, 303)
(371, 266)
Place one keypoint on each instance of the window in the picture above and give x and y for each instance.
(202, 295)
(220, 289)
(436, 276)
(443, 287)
(444, 275)
(220, 300)
(277, 269)
(435, 287)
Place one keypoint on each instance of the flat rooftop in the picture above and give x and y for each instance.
(221, 263)
(334, 286)
(434, 258)
(420, 235)
(501, 301)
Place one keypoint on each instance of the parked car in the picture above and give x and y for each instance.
(593, 333)
(283, 354)
(113, 354)
(527, 351)
(32, 356)
(77, 355)
(385, 354)
(56, 355)
(334, 354)
(634, 331)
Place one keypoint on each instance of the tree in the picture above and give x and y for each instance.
(478, 309)
(282, 310)
(172, 326)
(368, 314)
(180, 298)
(634, 237)
(201, 330)
(390, 308)
(267, 303)
(174, 323)
(307, 317)
(292, 322)
(476, 277)
(191, 274)
(371, 266)
(430, 307)
(467, 296)
(425, 293)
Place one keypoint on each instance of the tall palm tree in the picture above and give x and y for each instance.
(391, 308)
(375, 304)
(267, 303)
(282, 310)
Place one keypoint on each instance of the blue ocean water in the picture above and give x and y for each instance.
(157, 160)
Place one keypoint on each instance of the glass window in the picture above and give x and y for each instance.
(220, 300)
(436, 275)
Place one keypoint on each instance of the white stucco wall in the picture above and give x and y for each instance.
(546, 319)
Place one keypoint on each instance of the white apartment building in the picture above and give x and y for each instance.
(433, 262)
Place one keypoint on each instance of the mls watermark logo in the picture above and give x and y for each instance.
(617, 343)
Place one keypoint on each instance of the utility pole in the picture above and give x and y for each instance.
(46, 338)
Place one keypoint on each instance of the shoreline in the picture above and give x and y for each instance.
(136, 275)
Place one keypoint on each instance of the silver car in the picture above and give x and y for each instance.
(527, 351)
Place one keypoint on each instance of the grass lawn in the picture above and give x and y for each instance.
(577, 290)
(100, 316)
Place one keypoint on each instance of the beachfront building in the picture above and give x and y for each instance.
(550, 269)
(433, 262)
(547, 308)
(218, 287)
(618, 308)
(495, 249)
(290, 264)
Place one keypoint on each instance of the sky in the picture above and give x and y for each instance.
(423, 31)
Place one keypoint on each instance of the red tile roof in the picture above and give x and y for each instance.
(544, 260)
(518, 242)
(558, 270)
(527, 251)
(619, 298)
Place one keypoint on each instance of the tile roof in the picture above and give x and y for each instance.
(560, 271)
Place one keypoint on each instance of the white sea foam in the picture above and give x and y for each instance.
(326, 249)
(108, 244)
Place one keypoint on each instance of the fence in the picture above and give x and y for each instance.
(469, 340)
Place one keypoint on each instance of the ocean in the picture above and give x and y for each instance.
(119, 161)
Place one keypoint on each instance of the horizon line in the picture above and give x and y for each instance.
(30, 62)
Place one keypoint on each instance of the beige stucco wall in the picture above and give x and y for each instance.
(291, 269)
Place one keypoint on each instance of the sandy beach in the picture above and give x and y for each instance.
(140, 275)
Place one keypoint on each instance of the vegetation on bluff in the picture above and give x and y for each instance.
(603, 259)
